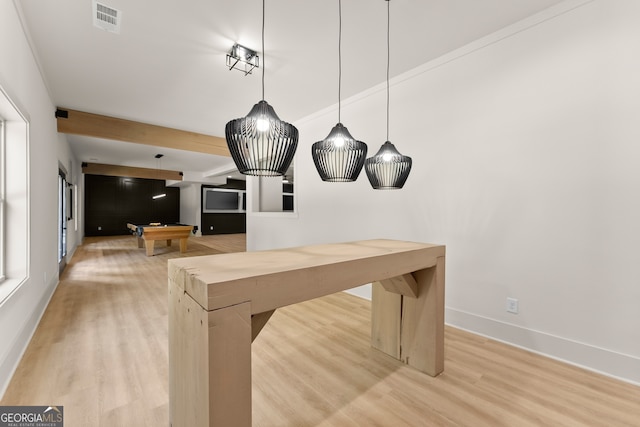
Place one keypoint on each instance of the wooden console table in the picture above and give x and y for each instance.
(218, 304)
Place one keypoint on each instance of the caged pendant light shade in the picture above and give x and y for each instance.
(261, 144)
(388, 169)
(339, 157)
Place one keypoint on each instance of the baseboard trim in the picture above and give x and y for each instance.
(10, 363)
(363, 291)
(616, 365)
(606, 362)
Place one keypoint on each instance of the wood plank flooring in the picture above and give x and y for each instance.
(101, 352)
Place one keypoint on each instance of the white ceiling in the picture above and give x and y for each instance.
(167, 64)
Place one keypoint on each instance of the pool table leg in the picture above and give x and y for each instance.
(140, 242)
(183, 245)
(148, 245)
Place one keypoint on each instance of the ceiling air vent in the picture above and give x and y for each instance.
(106, 17)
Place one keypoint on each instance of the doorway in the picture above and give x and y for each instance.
(62, 220)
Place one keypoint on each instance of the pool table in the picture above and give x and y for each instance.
(152, 232)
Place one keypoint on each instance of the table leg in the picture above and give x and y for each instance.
(422, 341)
(168, 242)
(411, 329)
(386, 316)
(148, 245)
(183, 245)
(209, 363)
(230, 366)
(140, 242)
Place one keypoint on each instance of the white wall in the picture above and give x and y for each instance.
(526, 165)
(190, 199)
(20, 78)
(73, 168)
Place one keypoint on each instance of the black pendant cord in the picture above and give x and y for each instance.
(263, 61)
(339, 55)
(388, 61)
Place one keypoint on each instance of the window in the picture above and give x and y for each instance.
(2, 207)
(14, 196)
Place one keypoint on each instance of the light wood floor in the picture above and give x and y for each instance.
(101, 352)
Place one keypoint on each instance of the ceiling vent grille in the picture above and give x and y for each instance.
(106, 18)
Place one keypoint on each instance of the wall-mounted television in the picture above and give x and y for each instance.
(223, 200)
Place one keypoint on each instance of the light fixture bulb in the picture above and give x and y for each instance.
(262, 124)
(387, 157)
(338, 141)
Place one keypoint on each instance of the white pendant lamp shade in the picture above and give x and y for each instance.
(261, 144)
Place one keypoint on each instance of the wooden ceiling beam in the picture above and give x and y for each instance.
(98, 126)
(130, 172)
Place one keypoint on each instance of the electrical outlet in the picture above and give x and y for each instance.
(512, 305)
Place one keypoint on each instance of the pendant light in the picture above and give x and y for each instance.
(261, 144)
(339, 157)
(388, 169)
(159, 194)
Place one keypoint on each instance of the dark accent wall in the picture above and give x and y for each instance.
(224, 223)
(236, 184)
(111, 202)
